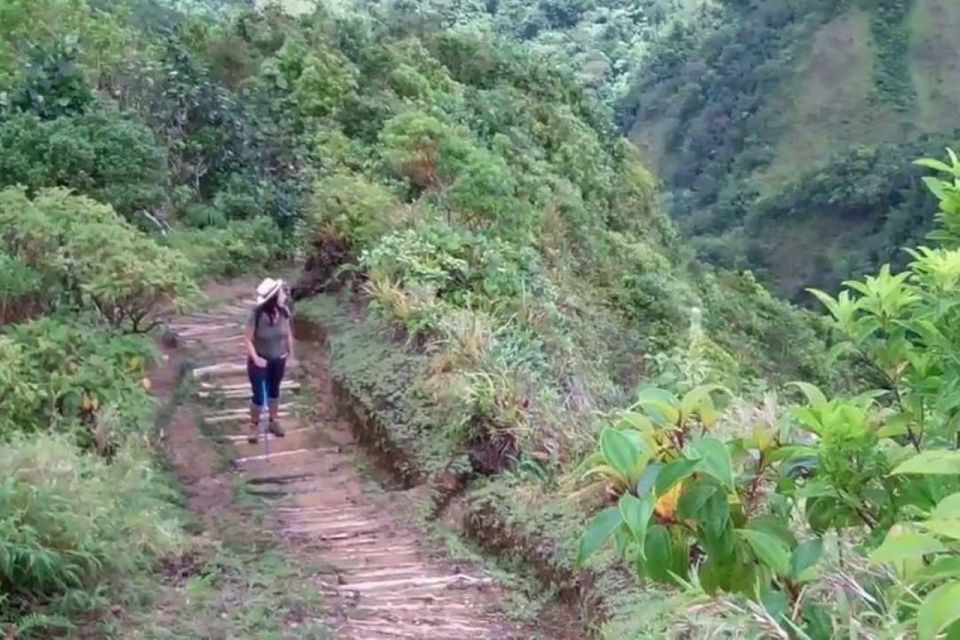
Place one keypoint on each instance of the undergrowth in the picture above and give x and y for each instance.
(75, 530)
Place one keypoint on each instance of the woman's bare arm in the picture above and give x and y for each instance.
(290, 352)
(251, 349)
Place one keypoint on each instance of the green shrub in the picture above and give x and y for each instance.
(20, 290)
(65, 375)
(235, 248)
(87, 256)
(425, 150)
(349, 207)
(104, 155)
(432, 256)
(73, 528)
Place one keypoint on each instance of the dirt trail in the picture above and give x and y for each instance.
(384, 581)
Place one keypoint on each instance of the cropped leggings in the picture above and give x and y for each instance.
(265, 381)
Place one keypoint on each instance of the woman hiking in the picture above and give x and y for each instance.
(269, 343)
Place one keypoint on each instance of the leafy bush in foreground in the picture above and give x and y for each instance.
(72, 526)
(749, 514)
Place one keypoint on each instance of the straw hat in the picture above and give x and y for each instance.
(267, 289)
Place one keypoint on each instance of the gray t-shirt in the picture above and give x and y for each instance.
(269, 339)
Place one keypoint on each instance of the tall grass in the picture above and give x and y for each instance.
(75, 528)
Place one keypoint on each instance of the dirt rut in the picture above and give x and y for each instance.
(383, 581)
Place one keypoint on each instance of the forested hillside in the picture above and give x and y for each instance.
(601, 41)
(784, 131)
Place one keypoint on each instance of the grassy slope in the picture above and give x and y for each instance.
(824, 106)
(935, 63)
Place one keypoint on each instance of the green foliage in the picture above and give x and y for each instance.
(83, 254)
(67, 376)
(51, 85)
(350, 208)
(237, 247)
(73, 528)
(701, 497)
(42, 32)
(103, 155)
(880, 466)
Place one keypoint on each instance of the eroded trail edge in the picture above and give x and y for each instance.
(383, 580)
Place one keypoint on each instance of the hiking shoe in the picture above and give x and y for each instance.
(254, 434)
(274, 427)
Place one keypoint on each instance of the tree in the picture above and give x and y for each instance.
(84, 255)
(103, 154)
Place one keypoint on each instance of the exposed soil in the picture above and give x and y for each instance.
(384, 580)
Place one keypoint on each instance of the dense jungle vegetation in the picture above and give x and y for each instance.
(470, 188)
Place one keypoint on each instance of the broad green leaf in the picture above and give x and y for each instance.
(827, 301)
(775, 527)
(903, 544)
(804, 559)
(715, 460)
(893, 429)
(939, 610)
(648, 479)
(622, 451)
(936, 462)
(936, 165)
(944, 567)
(636, 420)
(674, 472)
(622, 539)
(662, 406)
(600, 528)
(791, 451)
(945, 527)
(813, 394)
(636, 513)
(769, 549)
(604, 471)
(775, 602)
(699, 400)
(949, 507)
(693, 500)
(840, 349)
(659, 558)
(868, 398)
(817, 489)
(716, 526)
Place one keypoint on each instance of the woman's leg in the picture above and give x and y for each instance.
(275, 369)
(257, 376)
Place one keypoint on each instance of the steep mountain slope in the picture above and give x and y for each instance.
(749, 121)
(602, 41)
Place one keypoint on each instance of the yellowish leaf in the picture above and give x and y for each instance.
(666, 505)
